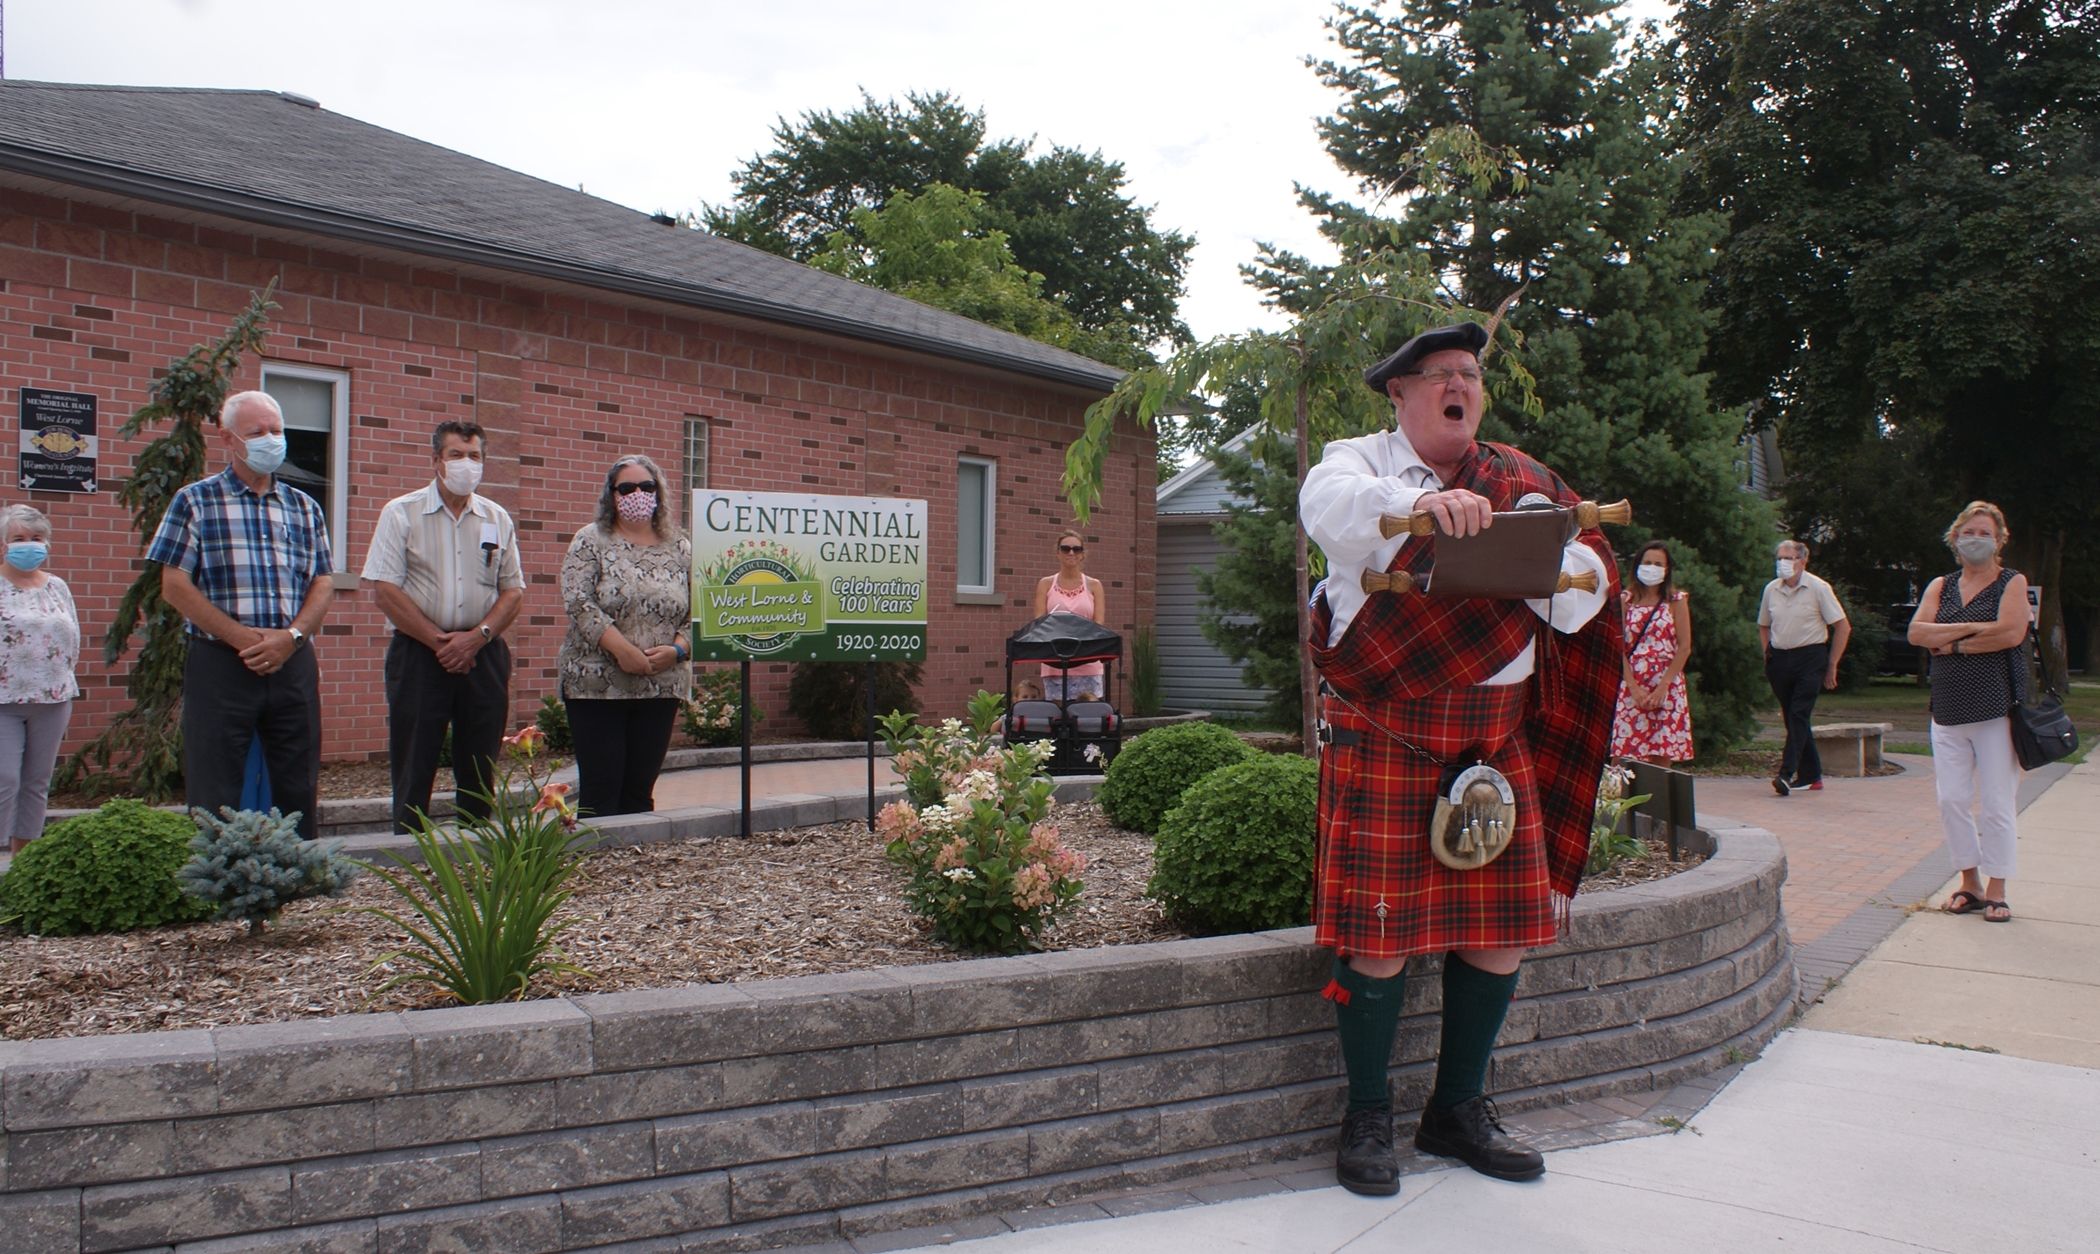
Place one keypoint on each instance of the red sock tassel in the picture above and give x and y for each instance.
(1335, 993)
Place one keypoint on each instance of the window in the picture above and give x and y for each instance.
(316, 405)
(976, 482)
(695, 479)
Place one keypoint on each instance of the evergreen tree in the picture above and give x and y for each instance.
(1063, 212)
(1914, 195)
(1250, 610)
(1607, 277)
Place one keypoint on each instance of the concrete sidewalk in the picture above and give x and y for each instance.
(2030, 987)
(1829, 1142)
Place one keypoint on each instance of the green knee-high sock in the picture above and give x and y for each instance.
(1367, 1013)
(1475, 1002)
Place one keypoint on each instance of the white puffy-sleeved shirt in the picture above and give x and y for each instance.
(1360, 480)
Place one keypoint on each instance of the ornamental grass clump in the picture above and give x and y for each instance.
(1237, 854)
(986, 866)
(484, 899)
(1608, 845)
(249, 865)
(110, 871)
(1148, 777)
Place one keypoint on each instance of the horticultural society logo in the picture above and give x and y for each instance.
(761, 594)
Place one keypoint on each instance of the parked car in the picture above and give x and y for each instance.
(1898, 655)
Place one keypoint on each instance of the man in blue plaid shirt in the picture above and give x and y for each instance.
(244, 557)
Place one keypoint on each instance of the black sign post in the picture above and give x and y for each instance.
(58, 441)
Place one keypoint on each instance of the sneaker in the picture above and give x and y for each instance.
(1780, 786)
(1363, 1160)
(1815, 787)
(1472, 1132)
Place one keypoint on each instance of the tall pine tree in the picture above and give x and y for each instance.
(1608, 276)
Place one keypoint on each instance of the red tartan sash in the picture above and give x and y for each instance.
(1403, 646)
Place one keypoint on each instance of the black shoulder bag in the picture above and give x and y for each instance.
(2041, 731)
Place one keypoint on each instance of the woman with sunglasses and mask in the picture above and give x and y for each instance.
(1654, 718)
(1074, 591)
(626, 663)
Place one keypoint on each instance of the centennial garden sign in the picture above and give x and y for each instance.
(785, 577)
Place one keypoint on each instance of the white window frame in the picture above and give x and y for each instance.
(991, 527)
(337, 506)
(695, 450)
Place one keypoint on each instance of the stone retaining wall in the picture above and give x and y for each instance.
(779, 1112)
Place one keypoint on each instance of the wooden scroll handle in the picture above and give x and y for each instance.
(1401, 581)
(1587, 514)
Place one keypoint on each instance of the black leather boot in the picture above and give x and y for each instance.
(1473, 1133)
(1364, 1161)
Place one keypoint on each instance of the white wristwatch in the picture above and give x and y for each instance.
(298, 638)
(486, 634)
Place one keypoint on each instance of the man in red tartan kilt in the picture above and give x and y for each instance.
(1416, 686)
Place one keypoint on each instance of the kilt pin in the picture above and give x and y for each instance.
(1405, 678)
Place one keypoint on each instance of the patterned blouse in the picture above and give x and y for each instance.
(39, 643)
(609, 581)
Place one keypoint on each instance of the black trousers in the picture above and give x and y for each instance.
(225, 706)
(1796, 676)
(620, 747)
(422, 700)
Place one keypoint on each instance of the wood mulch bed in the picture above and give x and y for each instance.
(1629, 871)
(798, 902)
(794, 902)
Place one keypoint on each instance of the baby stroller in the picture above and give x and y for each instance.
(1087, 732)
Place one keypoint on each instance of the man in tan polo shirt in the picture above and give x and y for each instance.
(1804, 632)
(444, 569)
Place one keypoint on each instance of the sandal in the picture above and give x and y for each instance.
(1964, 902)
(1996, 912)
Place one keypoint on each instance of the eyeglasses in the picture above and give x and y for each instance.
(1437, 376)
(629, 489)
(1071, 548)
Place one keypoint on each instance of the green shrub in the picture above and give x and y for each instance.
(1148, 777)
(553, 722)
(1237, 854)
(251, 865)
(831, 698)
(110, 871)
(710, 717)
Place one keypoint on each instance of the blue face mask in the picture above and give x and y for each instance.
(265, 454)
(27, 556)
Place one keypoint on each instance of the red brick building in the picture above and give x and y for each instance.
(417, 284)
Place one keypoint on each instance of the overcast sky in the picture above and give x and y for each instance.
(651, 103)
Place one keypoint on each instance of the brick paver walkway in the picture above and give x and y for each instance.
(721, 785)
(1844, 845)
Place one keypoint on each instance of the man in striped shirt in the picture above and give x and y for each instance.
(444, 569)
(244, 557)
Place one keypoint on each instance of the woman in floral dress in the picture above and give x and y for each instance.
(1654, 718)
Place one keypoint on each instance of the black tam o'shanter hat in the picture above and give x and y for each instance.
(1470, 336)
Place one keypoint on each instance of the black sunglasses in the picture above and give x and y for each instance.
(1071, 548)
(629, 489)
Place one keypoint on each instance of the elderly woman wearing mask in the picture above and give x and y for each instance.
(39, 646)
(626, 663)
(1972, 622)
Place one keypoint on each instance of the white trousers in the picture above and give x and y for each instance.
(1972, 762)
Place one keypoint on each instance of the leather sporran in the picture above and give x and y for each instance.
(1475, 817)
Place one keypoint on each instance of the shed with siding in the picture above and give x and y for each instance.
(1193, 673)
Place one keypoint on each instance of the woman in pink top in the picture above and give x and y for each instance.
(1074, 591)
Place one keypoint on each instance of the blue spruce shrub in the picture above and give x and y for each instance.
(1237, 854)
(1148, 777)
(251, 865)
(110, 871)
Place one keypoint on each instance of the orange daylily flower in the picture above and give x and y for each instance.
(554, 797)
(527, 740)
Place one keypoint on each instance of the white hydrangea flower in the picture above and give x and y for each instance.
(959, 874)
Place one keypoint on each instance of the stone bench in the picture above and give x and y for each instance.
(1851, 749)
